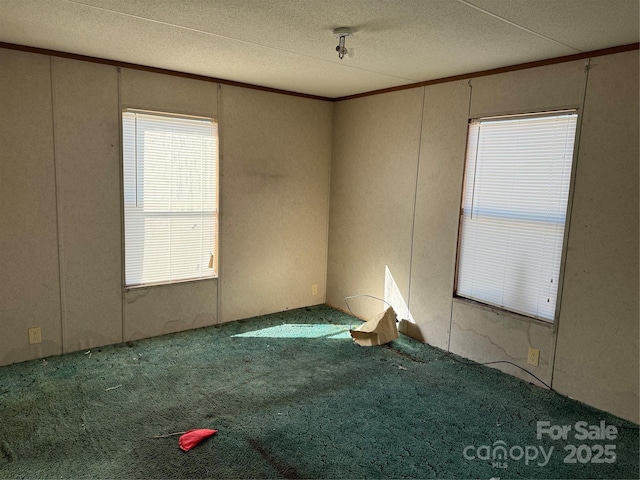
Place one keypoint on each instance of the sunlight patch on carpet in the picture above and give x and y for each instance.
(300, 330)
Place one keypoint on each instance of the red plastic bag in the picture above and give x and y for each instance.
(191, 438)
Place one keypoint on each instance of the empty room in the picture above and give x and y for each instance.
(319, 239)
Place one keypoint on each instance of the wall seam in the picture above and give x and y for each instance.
(220, 200)
(328, 221)
(565, 248)
(59, 232)
(415, 201)
(455, 261)
(123, 290)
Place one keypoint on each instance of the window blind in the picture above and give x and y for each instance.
(170, 198)
(517, 176)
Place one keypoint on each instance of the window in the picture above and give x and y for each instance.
(170, 197)
(517, 176)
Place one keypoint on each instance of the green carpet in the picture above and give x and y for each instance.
(292, 397)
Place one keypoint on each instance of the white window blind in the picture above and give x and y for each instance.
(517, 176)
(170, 198)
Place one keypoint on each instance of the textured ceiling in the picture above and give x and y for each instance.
(287, 44)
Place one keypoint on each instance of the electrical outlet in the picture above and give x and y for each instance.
(534, 357)
(314, 289)
(35, 336)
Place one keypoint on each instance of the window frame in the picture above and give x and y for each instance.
(214, 261)
(552, 323)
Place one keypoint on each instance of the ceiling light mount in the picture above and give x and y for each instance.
(342, 33)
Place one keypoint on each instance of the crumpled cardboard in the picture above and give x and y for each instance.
(378, 331)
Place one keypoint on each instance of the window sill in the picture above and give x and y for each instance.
(160, 284)
(502, 312)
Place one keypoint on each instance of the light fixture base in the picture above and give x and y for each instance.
(342, 32)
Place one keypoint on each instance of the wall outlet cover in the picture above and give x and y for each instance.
(533, 358)
(35, 335)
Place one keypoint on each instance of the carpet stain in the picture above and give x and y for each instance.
(7, 453)
(283, 469)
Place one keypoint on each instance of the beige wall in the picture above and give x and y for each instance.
(276, 152)
(593, 357)
(85, 106)
(444, 139)
(61, 230)
(30, 286)
(383, 174)
(597, 351)
(375, 157)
